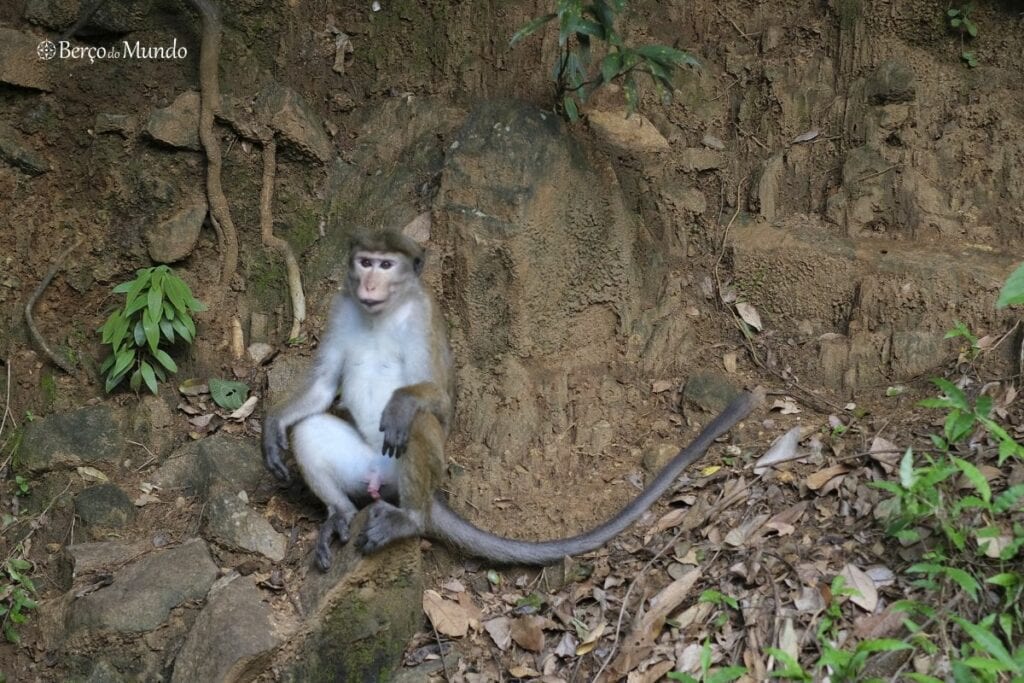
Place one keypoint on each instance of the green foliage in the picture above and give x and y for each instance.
(228, 394)
(961, 331)
(575, 75)
(1013, 289)
(157, 312)
(21, 486)
(709, 674)
(16, 591)
(960, 20)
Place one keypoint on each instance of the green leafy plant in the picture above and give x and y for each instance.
(961, 331)
(1013, 289)
(157, 312)
(960, 21)
(16, 591)
(21, 486)
(709, 674)
(574, 74)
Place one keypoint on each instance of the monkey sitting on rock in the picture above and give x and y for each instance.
(386, 347)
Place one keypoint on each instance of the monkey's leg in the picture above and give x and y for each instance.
(421, 469)
(333, 457)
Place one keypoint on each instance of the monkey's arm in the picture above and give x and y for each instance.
(401, 410)
(316, 396)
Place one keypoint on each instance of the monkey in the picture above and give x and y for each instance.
(386, 346)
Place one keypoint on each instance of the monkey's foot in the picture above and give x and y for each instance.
(336, 524)
(386, 524)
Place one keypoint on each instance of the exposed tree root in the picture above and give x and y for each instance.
(270, 240)
(58, 360)
(209, 89)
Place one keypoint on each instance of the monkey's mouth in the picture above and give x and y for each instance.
(371, 304)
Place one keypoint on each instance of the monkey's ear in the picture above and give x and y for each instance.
(417, 265)
(418, 228)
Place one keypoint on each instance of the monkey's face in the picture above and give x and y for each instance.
(379, 278)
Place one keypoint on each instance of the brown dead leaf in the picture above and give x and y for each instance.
(886, 453)
(473, 613)
(729, 362)
(91, 473)
(500, 631)
(866, 596)
(527, 632)
(822, 477)
(782, 450)
(885, 624)
(245, 410)
(523, 671)
(661, 386)
(789, 641)
(653, 673)
(746, 532)
(749, 315)
(447, 616)
(784, 522)
(567, 645)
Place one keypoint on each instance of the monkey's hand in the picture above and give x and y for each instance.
(275, 441)
(396, 422)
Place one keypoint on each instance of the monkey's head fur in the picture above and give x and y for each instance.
(384, 268)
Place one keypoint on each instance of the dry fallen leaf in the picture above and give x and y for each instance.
(528, 634)
(245, 410)
(661, 386)
(866, 596)
(523, 671)
(789, 641)
(590, 641)
(92, 473)
(783, 450)
(500, 631)
(729, 362)
(822, 477)
(785, 406)
(749, 315)
(145, 499)
(447, 616)
(806, 137)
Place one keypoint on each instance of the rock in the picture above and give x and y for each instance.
(633, 134)
(259, 328)
(891, 82)
(178, 124)
(104, 505)
(285, 376)
(122, 124)
(709, 390)
(86, 435)
(231, 521)
(361, 615)
(655, 457)
(287, 113)
(220, 462)
(711, 142)
(259, 351)
(104, 672)
(15, 150)
(175, 238)
(20, 63)
(143, 593)
(152, 423)
(235, 627)
(82, 559)
(53, 14)
(601, 436)
(700, 159)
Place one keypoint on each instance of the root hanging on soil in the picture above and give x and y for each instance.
(271, 241)
(209, 98)
(37, 336)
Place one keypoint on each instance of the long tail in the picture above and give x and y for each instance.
(447, 526)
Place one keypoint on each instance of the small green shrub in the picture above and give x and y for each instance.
(574, 77)
(157, 312)
(16, 591)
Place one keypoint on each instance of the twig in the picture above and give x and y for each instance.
(440, 651)
(625, 601)
(37, 336)
(272, 241)
(754, 138)
(734, 24)
(869, 176)
(7, 402)
(152, 456)
(209, 98)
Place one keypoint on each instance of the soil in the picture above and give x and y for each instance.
(857, 261)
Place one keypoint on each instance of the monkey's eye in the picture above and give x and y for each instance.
(366, 263)
(386, 264)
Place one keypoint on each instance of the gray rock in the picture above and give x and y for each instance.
(361, 615)
(82, 559)
(143, 593)
(53, 14)
(234, 628)
(15, 150)
(175, 238)
(221, 462)
(711, 142)
(891, 82)
(700, 159)
(19, 63)
(285, 376)
(655, 457)
(177, 125)
(86, 435)
(122, 124)
(152, 423)
(287, 113)
(709, 390)
(232, 522)
(104, 505)
(104, 672)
